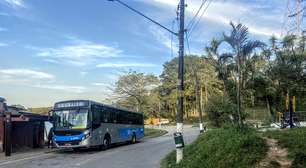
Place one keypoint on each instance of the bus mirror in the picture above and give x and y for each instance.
(50, 114)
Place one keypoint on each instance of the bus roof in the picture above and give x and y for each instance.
(89, 102)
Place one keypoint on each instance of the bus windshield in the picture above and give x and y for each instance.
(73, 119)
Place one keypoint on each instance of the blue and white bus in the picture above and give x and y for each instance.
(84, 124)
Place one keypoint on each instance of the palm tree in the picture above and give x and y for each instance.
(217, 60)
(242, 48)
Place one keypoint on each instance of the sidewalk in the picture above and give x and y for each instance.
(25, 154)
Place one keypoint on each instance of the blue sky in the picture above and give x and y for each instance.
(52, 50)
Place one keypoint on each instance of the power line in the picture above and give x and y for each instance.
(187, 42)
(171, 37)
(140, 13)
(190, 24)
(193, 28)
(190, 31)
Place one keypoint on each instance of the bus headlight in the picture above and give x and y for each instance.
(86, 135)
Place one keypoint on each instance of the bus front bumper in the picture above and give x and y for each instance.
(72, 144)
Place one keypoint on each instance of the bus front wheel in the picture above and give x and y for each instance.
(134, 140)
(106, 143)
(76, 149)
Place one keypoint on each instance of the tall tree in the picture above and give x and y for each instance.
(287, 70)
(219, 61)
(199, 75)
(242, 49)
(133, 88)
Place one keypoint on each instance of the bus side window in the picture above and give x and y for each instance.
(126, 118)
(129, 118)
(123, 117)
(96, 115)
(140, 119)
(110, 116)
(133, 118)
(106, 115)
(114, 116)
(119, 116)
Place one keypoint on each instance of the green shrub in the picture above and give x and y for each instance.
(220, 110)
(221, 148)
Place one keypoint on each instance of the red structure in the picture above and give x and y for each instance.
(27, 129)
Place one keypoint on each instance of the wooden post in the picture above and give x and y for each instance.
(8, 135)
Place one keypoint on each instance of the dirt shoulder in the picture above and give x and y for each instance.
(276, 156)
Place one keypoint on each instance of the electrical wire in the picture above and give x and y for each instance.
(190, 31)
(190, 24)
(171, 37)
(187, 42)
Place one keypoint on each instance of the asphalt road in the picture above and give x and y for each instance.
(145, 154)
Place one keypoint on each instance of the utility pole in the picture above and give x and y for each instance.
(180, 87)
(178, 136)
(198, 101)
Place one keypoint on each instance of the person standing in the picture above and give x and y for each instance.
(50, 137)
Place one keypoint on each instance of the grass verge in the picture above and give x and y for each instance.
(152, 133)
(294, 140)
(222, 148)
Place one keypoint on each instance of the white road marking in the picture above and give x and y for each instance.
(84, 162)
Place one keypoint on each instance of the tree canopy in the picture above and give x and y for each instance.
(224, 82)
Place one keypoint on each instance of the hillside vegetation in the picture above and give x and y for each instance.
(294, 140)
(40, 110)
(222, 148)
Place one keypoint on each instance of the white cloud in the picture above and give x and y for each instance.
(52, 61)
(37, 79)
(222, 12)
(83, 73)
(16, 3)
(164, 38)
(4, 14)
(168, 2)
(80, 53)
(66, 88)
(100, 84)
(3, 44)
(25, 73)
(25, 77)
(265, 31)
(3, 29)
(122, 65)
